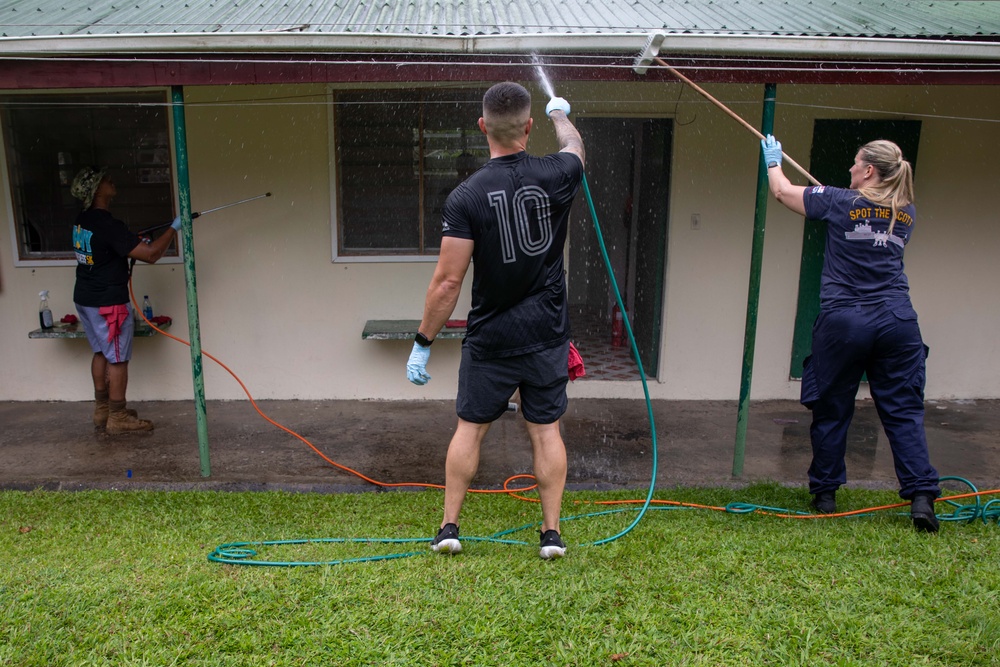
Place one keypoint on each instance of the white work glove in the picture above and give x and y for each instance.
(559, 103)
(416, 365)
(176, 224)
(772, 151)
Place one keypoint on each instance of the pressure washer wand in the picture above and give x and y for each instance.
(235, 203)
(150, 230)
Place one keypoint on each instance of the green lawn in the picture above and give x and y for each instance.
(122, 578)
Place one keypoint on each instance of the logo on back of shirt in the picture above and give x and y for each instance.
(81, 244)
(864, 232)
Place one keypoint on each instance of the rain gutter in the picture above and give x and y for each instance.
(719, 44)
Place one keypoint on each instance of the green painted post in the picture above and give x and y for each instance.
(753, 295)
(187, 235)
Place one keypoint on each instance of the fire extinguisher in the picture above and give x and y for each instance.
(617, 327)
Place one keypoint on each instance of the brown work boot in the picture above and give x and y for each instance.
(122, 420)
(101, 411)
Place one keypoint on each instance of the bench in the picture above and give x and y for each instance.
(407, 329)
(60, 330)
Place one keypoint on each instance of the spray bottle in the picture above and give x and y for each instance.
(44, 313)
(147, 307)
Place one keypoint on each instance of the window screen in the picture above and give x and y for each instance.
(400, 153)
(48, 138)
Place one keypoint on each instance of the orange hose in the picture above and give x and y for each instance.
(515, 493)
(323, 456)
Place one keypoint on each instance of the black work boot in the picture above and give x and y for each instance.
(922, 513)
(825, 502)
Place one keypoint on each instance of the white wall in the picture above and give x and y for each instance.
(288, 320)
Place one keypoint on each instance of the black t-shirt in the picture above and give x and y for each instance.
(102, 245)
(515, 208)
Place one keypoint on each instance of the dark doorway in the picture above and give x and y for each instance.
(629, 177)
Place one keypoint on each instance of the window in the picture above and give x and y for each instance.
(400, 153)
(48, 138)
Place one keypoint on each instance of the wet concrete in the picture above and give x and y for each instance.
(54, 446)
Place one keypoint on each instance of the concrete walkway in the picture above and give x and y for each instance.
(54, 446)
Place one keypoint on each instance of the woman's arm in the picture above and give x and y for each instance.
(782, 189)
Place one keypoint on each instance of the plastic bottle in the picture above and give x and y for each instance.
(44, 313)
(147, 307)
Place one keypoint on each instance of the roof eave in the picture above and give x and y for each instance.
(722, 44)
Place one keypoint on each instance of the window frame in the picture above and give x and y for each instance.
(7, 192)
(336, 217)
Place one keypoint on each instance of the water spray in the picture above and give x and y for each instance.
(542, 78)
(650, 55)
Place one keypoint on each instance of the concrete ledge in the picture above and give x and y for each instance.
(403, 330)
(77, 331)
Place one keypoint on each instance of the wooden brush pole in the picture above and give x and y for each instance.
(733, 115)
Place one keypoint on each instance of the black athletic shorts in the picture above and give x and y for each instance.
(485, 387)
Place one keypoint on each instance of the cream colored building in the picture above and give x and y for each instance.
(284, 306)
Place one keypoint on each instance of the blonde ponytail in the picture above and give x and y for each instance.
(896, 174)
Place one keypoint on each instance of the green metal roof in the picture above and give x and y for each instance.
(926, 19)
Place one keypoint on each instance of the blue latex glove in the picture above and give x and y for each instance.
(176, 224)
(416, 365)
(772, 151)
(559, 103)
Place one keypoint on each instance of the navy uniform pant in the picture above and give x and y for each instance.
(882, 340)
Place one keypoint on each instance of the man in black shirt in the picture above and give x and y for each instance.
(509, 219)
(103, 246)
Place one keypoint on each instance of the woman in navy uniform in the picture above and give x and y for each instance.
(866, 323)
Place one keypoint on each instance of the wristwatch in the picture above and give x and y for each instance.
(422, 340)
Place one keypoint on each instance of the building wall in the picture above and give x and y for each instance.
(288, 320)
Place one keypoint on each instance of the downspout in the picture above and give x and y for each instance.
(187, 234)
(753, 295)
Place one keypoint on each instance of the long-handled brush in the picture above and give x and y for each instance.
(650, 55)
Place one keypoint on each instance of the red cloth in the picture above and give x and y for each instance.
(576, 369)
(455, 324)
(69, 319)
(161, 319)
(115, 317)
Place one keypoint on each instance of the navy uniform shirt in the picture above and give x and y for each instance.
(515, 209)
(863, 264)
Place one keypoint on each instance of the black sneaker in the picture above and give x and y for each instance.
(551, 545)
(922, 513)
(446, 541)
(825, 502)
